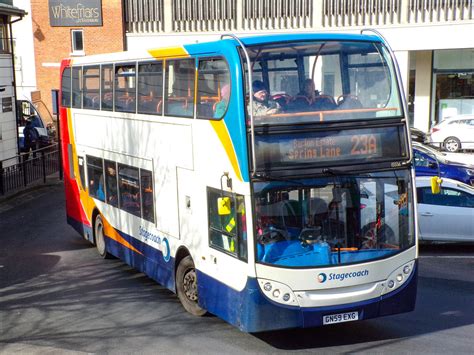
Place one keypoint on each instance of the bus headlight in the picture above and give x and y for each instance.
(278, 292)
(398, 277)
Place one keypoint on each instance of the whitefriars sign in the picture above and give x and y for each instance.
(75, 13)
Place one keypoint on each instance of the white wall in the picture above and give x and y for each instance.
(8, 135)
(25, 71)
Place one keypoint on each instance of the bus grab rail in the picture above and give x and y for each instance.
(250, 111)
(400, 83)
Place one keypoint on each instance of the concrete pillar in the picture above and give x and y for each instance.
(423, 90)
(167, 16)
(403, 59)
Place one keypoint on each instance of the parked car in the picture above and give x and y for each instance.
(429, 163)
(417, 135)
(454, 133)
(447, 216)
(450, 158)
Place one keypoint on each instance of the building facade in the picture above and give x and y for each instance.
(8, 127)
(432, 39)
(58, 29)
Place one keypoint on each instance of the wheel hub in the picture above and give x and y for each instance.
(190, 285)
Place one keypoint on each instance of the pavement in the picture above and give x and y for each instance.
(18, 197)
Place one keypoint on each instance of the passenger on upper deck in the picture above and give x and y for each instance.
(309, 91)
(262, 106)
(221, 106)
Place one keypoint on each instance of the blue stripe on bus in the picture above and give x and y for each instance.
(250, 310)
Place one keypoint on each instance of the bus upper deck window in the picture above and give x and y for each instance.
(107, 86)
(213, 88)
(150, 87)
(179, 91)
(125, 88)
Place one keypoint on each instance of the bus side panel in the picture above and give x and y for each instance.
(74, 210)
(251, 311)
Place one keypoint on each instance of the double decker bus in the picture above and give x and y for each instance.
(266, 180)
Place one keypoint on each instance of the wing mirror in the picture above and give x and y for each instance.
(436, 185)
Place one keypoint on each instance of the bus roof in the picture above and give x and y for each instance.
(217, 46)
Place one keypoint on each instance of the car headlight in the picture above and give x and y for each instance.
(470, 172)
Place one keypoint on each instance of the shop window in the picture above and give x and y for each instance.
(213, 88)
(125, 88)
(91, 90)
(150, 87)
(227, 224)
(180, 76)
(95, 174)
(107, 86)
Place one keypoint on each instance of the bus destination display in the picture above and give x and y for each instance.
(317, 148)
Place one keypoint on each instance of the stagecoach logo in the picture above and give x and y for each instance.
(322, 277)
(166, 250)
(67, 13)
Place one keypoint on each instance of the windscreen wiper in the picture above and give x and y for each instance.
(264, 176)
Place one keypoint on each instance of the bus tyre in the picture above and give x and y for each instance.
(99, 237)
(452, 144)
(186, 287)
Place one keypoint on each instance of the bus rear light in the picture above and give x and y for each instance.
(362, 206)
(434, 129)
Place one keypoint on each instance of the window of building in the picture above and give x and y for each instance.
(66, 88)
(453, 83)
(228, 230)
(76, 87)
(150, 87)
(125, 88)
(95, 174)
(91, 88)
(213, 88)
(129, 189)
(77, 39)
(107, 87)
(179, 92)
(4, 47)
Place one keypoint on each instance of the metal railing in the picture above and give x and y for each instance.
(361, 12)
(168, 16)
(439, 10)
(28, 169)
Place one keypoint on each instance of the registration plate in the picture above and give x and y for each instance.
(340, 318)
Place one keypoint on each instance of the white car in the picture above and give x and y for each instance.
(454, 133)
(447, 216)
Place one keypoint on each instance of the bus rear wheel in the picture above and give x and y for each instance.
(100, 238)
(186, 287)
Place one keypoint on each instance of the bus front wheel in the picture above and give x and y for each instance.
(100, 238)
(186, 285)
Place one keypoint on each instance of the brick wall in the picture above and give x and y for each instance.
(52, 44)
